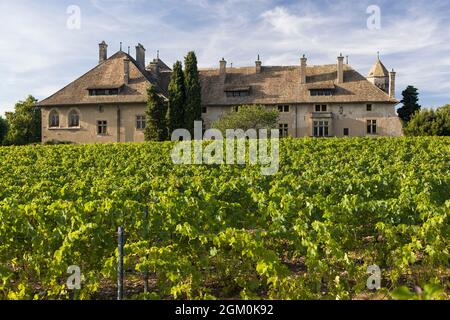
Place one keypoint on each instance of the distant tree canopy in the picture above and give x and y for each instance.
(429, 122)
(193, 110)
(24, 124)
(410, 104)
(156, 124)
(3, 129)
(248, 117)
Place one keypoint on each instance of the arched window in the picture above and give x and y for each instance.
(74, 119)
(54, 119)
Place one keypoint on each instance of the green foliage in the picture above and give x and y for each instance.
(3, 129)
(410, 104)
(55, 142)
(193, 110)
(177, 99)
(156, 111)
(310, 231)
(430, 122)
(429, 292)
(248, 117)
(442, 123)
(24, 123)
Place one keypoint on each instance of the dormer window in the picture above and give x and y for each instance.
(104, 92)
(237, 92)
(321, 92)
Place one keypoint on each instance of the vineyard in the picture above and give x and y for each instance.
(335, 207)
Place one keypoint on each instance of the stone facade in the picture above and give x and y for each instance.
(121, 124)
(353, 117)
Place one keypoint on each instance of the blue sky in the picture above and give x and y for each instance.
(40, 54)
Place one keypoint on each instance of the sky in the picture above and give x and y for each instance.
(45, 45)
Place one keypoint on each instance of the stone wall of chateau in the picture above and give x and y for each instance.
(353, 117)
(121, 124)
(121, 121)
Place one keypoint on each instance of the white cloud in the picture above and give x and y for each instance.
(39, 54)
(292, 25)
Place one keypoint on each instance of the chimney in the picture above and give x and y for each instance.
(392, 84)
(102, 52)
(223, 67)
(140, 56)
(154, 67)
(258, 65)
(303, 61)
(340, 69)
(126, 70)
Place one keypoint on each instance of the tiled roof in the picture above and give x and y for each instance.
(378, 70)
(275, 85)
(108, 74)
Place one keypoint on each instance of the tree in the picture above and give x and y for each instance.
(193, 110)
(410, 104)
(177, 99)
(430, 122)
(248, 117)
(442, 123)
(3, 129)
(24, 124)
(155, 125)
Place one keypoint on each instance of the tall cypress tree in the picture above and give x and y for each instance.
(410, 104)
(193, 93)
(155, 126)
(177, 99)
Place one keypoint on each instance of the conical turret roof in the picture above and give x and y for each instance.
(378, 70)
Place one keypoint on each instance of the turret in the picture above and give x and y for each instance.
(379, 75)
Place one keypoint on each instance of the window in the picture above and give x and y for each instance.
(369, 107)
(321, 92)
(74, 119)
(54, 119)
(320, 129)
(204, 109)
(237, 94)
(140, 122)
(283, 108)
(321, 108)
(236, 108)
(346, 132)
(102, 127)
(104, 92)
(372, 126)
(284, 130)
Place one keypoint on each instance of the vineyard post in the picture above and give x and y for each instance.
(120, 264)
(145, 224)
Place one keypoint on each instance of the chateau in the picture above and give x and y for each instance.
(107, 104)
